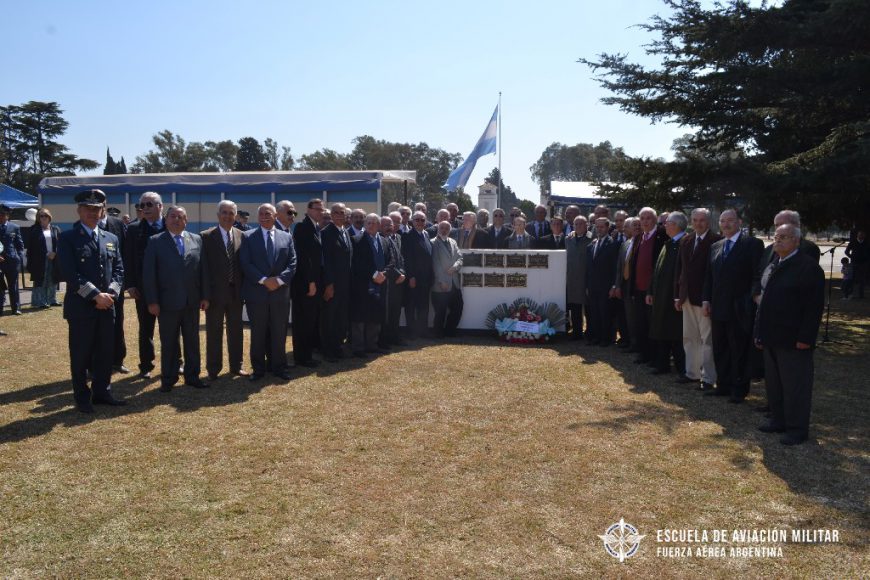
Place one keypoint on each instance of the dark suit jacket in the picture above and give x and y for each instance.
(806, 247)
(117, 227)
(548, 242)
(479, 239)
(365, 306)
(13, 243)
(88, 268)
(337, 254)
(255, 265)
(217, 265)
(499, 241)
(418, 261)
(728, 281)
(660, 237)
(170, 280)
(792, 304)
(601, 265)
(138, 237)
(532, 231)
(692, 267)
(36, 251)
(309, 256)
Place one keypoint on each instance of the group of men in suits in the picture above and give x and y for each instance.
(698, 301)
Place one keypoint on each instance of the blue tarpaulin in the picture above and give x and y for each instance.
(11, 197)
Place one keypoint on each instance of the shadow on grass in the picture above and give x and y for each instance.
(831, 468)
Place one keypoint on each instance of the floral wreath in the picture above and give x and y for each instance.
(524, 321)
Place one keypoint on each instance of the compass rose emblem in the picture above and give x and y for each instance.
(621, 540)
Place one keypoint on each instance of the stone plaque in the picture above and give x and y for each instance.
(472, 280)
(515, 261)
(539, 261)
(517, 280)
(493, 260)
(472, 260)
(493, 280)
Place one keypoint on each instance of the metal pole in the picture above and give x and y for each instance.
(500, 178)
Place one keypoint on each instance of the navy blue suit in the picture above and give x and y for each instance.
(13, 250)
(90, 267)
(600, 273)
(268, 311)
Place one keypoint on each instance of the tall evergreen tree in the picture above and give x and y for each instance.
(251, 156)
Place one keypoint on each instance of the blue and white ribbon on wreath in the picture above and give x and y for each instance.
(506, 325)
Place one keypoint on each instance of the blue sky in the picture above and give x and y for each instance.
(318, 74)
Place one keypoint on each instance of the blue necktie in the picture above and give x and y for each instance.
(179, 243)
(728, 246)
(270, 248)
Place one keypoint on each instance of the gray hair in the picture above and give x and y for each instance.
(227, 203)
(703, 211)
(284, 204)
(338, 207)
(647, 210)
(678, 218)
(151, 195)
(795, 230)
(373, 216)
(268, 206)
(790, 216)
(173, 208)
(483, 211)
(393, 206)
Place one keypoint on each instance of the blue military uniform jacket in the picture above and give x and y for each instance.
(13, 243)
(89, 268)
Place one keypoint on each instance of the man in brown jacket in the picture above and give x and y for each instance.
(692, 260)
(220, 250)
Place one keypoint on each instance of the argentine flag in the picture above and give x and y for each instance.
(485, 146)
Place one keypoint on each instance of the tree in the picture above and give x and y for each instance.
(29, 148)
(508, 198)
(775, 94)
(112, 167)
(580, 162)
(251, 156)
(221, 155)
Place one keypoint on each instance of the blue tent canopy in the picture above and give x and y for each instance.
(11, 197)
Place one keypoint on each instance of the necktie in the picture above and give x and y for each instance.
(94, 236)
(230, 272)
(377, 245)
(270, 248)
(626, 266)
(728, 245)
(179, 243)
(426, 243)
(697, 243)
(595, 249)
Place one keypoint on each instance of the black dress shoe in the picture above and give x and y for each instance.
(283, 375)
(110, 401)
(197, 384)
(716, 393)
(240, 373)
(310, 363)
(121, 369)
(255, 377)
(85, 408)
(360, 354)
(165, 388)
(684, 380)
(771, 427)
(145, 374)
(212, 377)
(792, 439)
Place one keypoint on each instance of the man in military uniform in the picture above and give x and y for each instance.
(10, 259)
(90, 260)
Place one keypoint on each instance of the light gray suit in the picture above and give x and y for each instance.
(523, 242)
(175, 282)
(446, 291)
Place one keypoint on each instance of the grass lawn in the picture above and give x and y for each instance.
(466, 458)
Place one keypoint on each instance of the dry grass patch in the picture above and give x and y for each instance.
(458, 459)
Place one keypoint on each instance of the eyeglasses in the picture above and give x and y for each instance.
(781, 237)
(420, 220)
(149, 204)
(293, 212)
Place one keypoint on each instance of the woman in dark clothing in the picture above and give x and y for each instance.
(41, 263)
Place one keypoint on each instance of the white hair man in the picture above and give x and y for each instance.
(788, 323)
(692, 262)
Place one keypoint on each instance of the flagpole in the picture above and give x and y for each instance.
(500, 178)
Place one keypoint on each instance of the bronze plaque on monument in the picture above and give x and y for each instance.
(515, 261)
(493, 260)
(472, 260)
(539, 261)
(493, 280)
(517, 280)
(472, 280)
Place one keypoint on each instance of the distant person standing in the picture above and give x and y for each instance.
(174, 291)
(90, 263)
(10, 259)
(337, 255)
(858, 251)
(446, 291)
(220, 256)
(41, 263)
(138, 236)
(112, 223)
(307, 286)
(788, 323)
